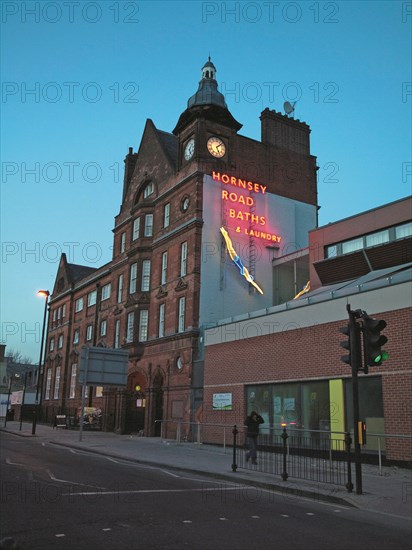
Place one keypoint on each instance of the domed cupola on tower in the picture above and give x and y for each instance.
(207, 102)
(207, 93)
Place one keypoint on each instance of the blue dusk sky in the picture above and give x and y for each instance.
(79, 80)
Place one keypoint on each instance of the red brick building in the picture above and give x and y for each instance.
(286, 362)
(173, 273)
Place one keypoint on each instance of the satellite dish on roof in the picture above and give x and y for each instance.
(289, 107)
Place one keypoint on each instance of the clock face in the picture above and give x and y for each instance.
(216, 147)
(189, 149)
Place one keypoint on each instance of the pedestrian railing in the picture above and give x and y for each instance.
(315, 455)
(197, 432)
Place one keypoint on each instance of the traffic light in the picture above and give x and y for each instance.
(352, 344)
(345, 343)
(373, 341)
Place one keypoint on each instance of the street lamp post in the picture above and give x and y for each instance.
(45, 294)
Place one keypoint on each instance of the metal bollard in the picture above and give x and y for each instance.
(284, 436)
(234, 432)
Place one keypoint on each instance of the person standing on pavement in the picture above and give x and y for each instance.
(252, 424)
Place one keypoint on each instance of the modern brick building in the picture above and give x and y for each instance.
(204, 211)
(285, 361)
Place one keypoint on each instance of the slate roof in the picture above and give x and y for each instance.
(170, 144)
(78, 272)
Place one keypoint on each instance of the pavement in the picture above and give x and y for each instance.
(388, 491)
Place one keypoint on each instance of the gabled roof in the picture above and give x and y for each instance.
(69, 274)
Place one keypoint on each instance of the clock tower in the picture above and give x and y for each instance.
(206, 128)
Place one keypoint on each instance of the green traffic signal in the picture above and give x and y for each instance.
(382, 357)
(373, 341)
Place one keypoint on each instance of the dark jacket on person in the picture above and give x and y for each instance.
(252, 423)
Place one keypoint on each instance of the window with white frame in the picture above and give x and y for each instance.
(48, 384)
(57, 383)
(54, 315)
(64, 311)
(120, 289)
(183, 259)
(136, 229)
(76, 336)
(122, 243)
(60, 342)
(145, 276)
(130, 327)
(59, 310)
(161, 320)
(148, 225)
(78, 305)
(51, 344)
(148, 190)
(106, 290)
(103, 328)
(73, 376)
(91, 298)
(164, 269)
(133, 277)
(143, 325)
(181, 319)
(117, 334)
(89, 333)
(166, 215)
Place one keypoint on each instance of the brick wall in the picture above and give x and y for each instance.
(314, 352)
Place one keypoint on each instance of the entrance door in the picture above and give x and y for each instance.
(134, 421)
(135, 403)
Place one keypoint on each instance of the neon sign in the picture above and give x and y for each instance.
(238, 182)
(239, 201)
(237, 261)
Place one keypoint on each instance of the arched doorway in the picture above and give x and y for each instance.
(135, 403)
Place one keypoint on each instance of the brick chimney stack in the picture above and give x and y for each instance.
(285, 132)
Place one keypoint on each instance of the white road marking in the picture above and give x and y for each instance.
(11, 463)
(107, 529)
(187, 521)
(337, 511)
(310, 514)
(168, 473)
(72, 482)
(255, 517)
(60, 535)
(223, 519)
(147, 491)
(284, 515)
